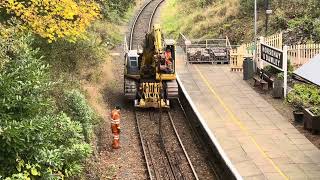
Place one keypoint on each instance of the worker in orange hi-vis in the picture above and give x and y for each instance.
(167, 54)
(115, 127)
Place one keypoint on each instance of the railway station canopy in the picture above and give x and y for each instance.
(310, 71)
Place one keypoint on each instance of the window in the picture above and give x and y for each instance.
(132, 58)
(133, 63)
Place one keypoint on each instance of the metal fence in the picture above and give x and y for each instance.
(206, 50)
(297, 54)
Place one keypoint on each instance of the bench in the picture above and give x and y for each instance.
(267, 77)
(260, 82)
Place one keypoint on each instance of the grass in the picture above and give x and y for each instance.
(221, 18)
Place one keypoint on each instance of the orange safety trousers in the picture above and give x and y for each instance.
(115, 129)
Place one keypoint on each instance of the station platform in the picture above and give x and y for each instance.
(259, 142)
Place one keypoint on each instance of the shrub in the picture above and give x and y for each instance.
(52, 141)
(36, 140)
(114, 10)
(69, 58)
(304, 95)
(24, 79)
(79, 110)
(315, 111)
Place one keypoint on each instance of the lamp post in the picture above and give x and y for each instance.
(268, 12)
(255, 37)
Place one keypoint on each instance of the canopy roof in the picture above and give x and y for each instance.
(310, 71)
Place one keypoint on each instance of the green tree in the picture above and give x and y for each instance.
(36, 140)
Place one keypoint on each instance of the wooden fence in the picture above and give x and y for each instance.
(297, 54)
(274, 40)
(300, 54)
(239, 53)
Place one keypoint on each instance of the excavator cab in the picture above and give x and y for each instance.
(132, 63)
(166, 70)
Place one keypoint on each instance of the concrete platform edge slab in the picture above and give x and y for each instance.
(211, 135)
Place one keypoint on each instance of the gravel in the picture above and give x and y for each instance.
(197, 151)
(128, 162)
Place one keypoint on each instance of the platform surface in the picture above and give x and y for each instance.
(258, 140)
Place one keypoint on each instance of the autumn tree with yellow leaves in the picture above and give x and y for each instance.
(54, 19)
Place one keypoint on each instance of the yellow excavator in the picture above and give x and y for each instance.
(150, 76)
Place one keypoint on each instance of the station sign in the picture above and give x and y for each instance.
(272, 56)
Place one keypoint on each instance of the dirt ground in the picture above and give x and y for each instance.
(126, 162)
(104, 93)
(286, 111)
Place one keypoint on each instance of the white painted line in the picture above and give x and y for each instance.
(211, 135)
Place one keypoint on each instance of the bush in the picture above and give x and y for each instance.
(79, 110)
(51, 142)
(315, 110)
(24, 80)
(247, 6)
(69, 58)
(36, 140)
(114, 10)
(304, 95)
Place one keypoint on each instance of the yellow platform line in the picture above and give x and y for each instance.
(240, 124)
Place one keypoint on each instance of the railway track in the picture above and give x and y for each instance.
(142, 23)
(164, 152)
(165, 155)
(163, 149)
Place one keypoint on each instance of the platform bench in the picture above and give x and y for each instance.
(265, 76)
(260, 82)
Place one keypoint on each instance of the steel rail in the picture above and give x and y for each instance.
(143, 146)
(182, 146)
(164, 147)
(130, 48)
(197, 136)
(138, 16)
(135, 22)
(137, 120)
(153, 13)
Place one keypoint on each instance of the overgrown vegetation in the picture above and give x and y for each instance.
(46, 123)
(272, 71)
(304, 96)
(315, 110)
(234, 18)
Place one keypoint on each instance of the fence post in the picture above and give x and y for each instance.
(298, 54)
(285, 70)
(281, 41)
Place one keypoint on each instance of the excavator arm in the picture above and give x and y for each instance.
(157, 39)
